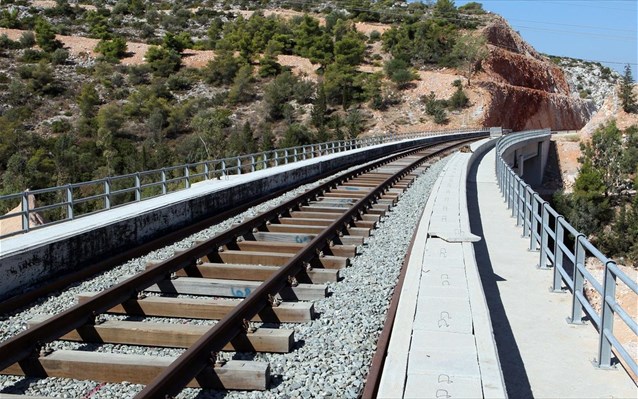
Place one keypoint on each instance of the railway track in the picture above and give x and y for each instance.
(278, 262)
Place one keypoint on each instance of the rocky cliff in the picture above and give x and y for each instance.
(527, 90)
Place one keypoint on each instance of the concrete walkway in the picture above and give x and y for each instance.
(542, 356)
(442, 344)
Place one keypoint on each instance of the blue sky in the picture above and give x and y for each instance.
(597, 30)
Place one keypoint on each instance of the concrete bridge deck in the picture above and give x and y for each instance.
(476, 318)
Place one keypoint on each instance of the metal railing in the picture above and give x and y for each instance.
(566, 251)
(68, 202)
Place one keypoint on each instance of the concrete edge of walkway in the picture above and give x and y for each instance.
(396, 361)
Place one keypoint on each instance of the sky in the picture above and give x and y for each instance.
(596, 30)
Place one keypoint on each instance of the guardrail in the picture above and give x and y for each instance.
(566, 250)
(68, 202)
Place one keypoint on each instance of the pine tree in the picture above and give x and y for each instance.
(627, 96)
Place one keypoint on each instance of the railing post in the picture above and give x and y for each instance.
(303, 151)
(295, 155)
(533, 244)
(25, 211)
(607, 318)
(527, 219)
(544, 259)
(206, 171)
(238, 166)
(138, 187)
(223, 168)
(69, 202)
(187, 177)
(265, 160)
(516, 201)
(107, 193)
(164, 185)
(286, 155)
(252, 163)
(559, 233)
(579, 281)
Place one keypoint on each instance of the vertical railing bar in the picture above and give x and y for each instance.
(25, 211)
(579, 281)
(544, 259)
(69, 202)
(107, 193)
(138, 188)
(607, 318)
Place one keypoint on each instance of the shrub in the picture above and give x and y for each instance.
(375, 36)
(6, 43)
(112, 50)
(179, 81)
(31, 56)
(435, 108)
(222, 69)
(59, 56)
(45, 36)
(60, 126)
(163, 61)
(27, 40)
(459, 99)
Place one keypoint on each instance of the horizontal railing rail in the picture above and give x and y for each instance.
(567, 251)
(68, 202)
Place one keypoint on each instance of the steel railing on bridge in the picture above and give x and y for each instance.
(68, 202)
(567, 251)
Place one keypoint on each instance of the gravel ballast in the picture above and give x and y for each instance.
(332, 353)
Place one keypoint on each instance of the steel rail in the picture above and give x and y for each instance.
(188, 366)
(24, 347)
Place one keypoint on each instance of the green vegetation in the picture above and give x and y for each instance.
(112, 50)
(627, 96)
(66, 118)
(437, 108)
(604, 204)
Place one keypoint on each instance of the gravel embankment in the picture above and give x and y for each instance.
(332, 353)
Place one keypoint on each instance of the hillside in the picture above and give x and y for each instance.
(215, 81)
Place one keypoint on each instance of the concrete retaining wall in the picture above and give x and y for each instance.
(52, 251)
(528, 158)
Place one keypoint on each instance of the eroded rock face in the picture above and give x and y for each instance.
(521, 108)
(525, 71)
(527, 90)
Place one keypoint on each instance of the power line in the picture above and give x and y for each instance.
(572, 25)
(593, 35)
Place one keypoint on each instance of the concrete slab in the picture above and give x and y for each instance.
(421, 386)
(542, 356)
(451, 343)
(440, 361)
(447, 314)
(442, 277)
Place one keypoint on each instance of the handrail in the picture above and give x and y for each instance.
(565, 250)
(68, 202)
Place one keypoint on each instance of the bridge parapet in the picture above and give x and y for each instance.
(526, 153)
(566, 251)
(65, 203)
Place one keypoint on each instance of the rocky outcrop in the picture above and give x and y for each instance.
(610, 110)
(499, 33)
(527, 90)
(520, 108)
(525, 71)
